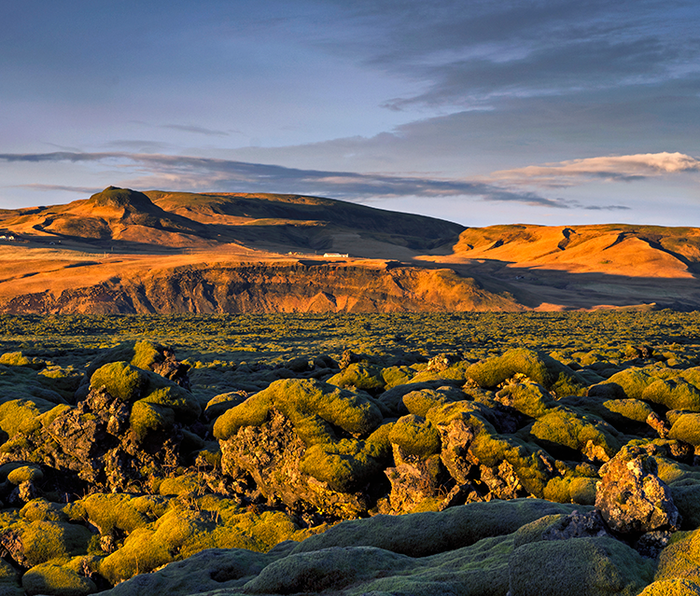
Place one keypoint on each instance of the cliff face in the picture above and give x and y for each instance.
(271, 288)
(123, 251)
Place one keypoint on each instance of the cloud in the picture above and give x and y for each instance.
(474, 56)
(205, 174)
(58, 187)
(622, 167)
(198, 130)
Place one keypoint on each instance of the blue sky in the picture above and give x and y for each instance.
(548, 112)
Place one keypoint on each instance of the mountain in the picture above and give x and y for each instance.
(126, 251)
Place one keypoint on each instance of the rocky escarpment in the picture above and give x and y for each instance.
(365, 473)
(261, 288)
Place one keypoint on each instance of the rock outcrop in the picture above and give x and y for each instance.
(365, 474)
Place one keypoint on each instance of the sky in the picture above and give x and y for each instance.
(545, 111)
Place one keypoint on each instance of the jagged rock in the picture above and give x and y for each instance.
(502, 481)
(348, 357)
(456, 438)
(414, 480)
(92, 445)
(651, 544)
(577, 525)
(442, 362)
(632, 498)
(272, 455)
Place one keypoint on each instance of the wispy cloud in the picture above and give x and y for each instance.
(58, 187)
(198, 130)
(621, 167)
(207, 174)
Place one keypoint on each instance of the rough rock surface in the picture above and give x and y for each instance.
(632, 498)
(487, 469)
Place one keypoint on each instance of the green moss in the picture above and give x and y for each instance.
(9, 580)
(218, 404)
(327, 572)
(147, 417)
(25, 474)
(344, 465)
(415, 435)
(571, 489)
(632, 381)
(536, 366)
(46, 540)
(258, 532)
(21, 415)
(396, 375)
(166, 393)
(420, 401)
(142, 354)
(65, 381)
(600, 566)
(681, 558)
(583, 490)
(454, 374)
(491, 449)
(558, 490)
(115, 510)
(43, 510)
(675, 394)
(179, 527)
(530, 399)
(686, 428)
(121, 380)
(180, 485)
(141, 553)
(633, 409)
(146, 354)
(213, 522)
(686, 497)
(47, 418)
(429, 533)
(580, 433)
(208, 571)
(57, 580)
(359, 375)
(444, 414)
(311, 405)
(379, 439)
(672, 587)
(15, 359)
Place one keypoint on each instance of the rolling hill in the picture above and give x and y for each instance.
(124, 251)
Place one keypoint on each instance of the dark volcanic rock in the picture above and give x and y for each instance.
(92, 445)
(272, 454)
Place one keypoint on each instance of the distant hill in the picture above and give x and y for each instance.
(636, 251)
(123, 250)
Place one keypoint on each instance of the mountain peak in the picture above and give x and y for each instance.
(125, 198)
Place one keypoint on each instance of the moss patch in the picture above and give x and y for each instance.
(121, 380)
(578, 566)
(311, 405)
(345, 465)
(415, 435)
(57, 580)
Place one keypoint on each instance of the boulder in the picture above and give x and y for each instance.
(631, 497)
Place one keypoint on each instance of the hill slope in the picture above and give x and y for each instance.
(164, 252)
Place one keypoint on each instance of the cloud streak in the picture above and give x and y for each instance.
(203, 174)
(611, 168)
